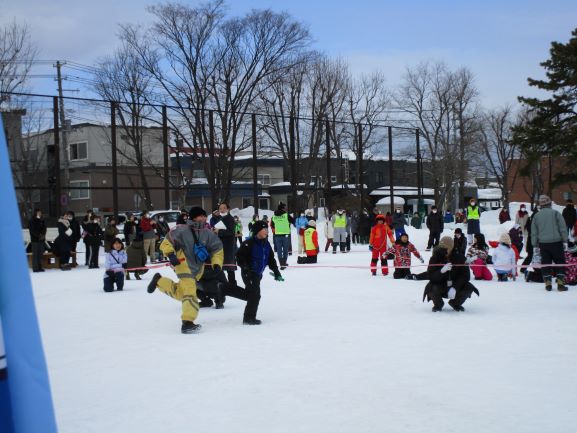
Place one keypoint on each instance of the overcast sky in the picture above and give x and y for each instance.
(502, 42)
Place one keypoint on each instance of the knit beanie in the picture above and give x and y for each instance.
(505, 239)
(258, 226)
(196, 211)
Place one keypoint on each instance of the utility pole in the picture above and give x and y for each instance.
(64, 128)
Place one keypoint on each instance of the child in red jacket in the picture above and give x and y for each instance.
(378, 244)
(401, 252)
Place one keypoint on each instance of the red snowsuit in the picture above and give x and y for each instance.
(378, 241)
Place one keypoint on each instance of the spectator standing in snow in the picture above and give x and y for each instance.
(339, 221)
(228, 239)
(188, 247)
(436, 226)
(182, 218)
(389, 220)
(521, 218)
(301, 225)
(449, 218)
(570, 217)
(110, 233)
(136, 258)
(416, 221)
(459, 242)
(253, 256)
(516, 236)
(401, 253)
(93, 240)
(378, 244)
(238, 230)
(504, 259)
(76, 230)
(131, 229)
(364, 227)
(116, 259)
(477, 258)
(399, 222)
(504, 216)
(329, 233)
(255, 218)
(37, 229)
(355, 227)
(446, 281)
(473, 220)
(87, 220)
(549, 239)
(148, 235)
(281, 226)
(349, 231)
(63, 243)
(311, 242)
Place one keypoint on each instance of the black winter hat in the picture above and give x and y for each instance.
(458, 231)
(196, 211)
(258, 226)
(281, 206)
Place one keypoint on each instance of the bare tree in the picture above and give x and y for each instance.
(499, 149)
(207, 64)
(17, 55)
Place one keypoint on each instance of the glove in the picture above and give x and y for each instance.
(69, 233)
(278, 277)
(446, 268)
(452, 293)
(422, 260)
(173, 259)
(370, 248)
(216, 267)
(110, 274)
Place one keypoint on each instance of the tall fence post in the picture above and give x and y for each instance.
(211, 156)
(254, 166)
(114, 161)
(166, 158)
(328, 197)
(391, 180)
(56, 172)
(360, 165)
(419, 172)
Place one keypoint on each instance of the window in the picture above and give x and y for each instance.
(567, 196)
(380, 177)
(79, 194)
(264, 179)
(313, 180)
(78, 151)
(333, 179)
(320, 182)
(321, 202)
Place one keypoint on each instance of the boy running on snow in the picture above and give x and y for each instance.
(378, 244)
(401, 252)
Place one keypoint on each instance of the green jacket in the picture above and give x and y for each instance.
(548, 226)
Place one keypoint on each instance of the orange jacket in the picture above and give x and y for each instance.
(379, 233)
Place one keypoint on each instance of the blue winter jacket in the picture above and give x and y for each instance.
(115, 260)
(255, 255)
(301, 222)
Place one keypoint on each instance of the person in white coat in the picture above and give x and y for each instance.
(329, 233)
(504, 260)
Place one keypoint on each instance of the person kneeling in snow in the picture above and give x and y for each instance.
(188, 247)
(311, 242)
(504, 260)
(447, 281)
(253, 256)
(401, 252)
(115, 263)
(214, 286)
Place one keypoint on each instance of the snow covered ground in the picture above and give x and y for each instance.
(339, 351)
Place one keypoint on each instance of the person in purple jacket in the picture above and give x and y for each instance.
(115, 263)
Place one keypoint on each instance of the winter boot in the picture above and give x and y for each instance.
(137, 275)
(548, 283)
(455, 306)
(218, 305)
(251, 321)
(561, 283)
(189, 327)
(128, 276)
(152, 285)
(205, 303)
(435, 308)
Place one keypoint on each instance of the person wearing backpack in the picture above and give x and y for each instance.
(187, 248)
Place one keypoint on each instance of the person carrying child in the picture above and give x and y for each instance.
(115, 263)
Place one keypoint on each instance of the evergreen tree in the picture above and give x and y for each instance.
(551, 130)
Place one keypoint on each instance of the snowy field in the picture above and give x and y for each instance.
(339, 351)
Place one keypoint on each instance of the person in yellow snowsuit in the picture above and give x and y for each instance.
(188, 247)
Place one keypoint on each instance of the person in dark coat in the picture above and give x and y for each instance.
(460, 241)
(183, 217)
(136, 258)
(63, 242)
(227, 237)
(446, 280)
(131, 229)
(365, 225)
(253, 256)
(37, 229)
(85, 221)
(76, 230)
(93, 240)
(399, 223)
(516, 235)
(110, 234)
(436, 226)
(570, 217)
(214, 286)
(504, 216)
